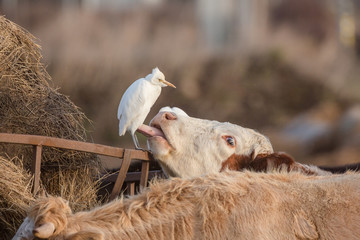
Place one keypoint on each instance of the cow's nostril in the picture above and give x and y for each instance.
(170, 116)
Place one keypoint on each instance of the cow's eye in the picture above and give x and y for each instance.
(230, 140)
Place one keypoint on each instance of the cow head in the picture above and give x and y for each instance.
(190, 147)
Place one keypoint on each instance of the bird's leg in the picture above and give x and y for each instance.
(136, 142)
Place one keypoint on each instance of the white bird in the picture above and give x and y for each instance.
(137, 101)
(176, 110)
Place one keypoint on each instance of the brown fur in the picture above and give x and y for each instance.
(229, 205)
(266, 163)
(44, 210)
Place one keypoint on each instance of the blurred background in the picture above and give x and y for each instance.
(287, 68)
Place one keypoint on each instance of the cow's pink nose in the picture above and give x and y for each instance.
(169, 116)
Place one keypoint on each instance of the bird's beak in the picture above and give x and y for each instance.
(168, 83)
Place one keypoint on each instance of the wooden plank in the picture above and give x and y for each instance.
(130, 188)
(65, 144)
(140, 154)
(144, 174)
(36, 167)
(39, 141)
(122, 174)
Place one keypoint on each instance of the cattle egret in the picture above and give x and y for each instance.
(137, 101)
(176, 110)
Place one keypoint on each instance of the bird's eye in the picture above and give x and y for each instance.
(230, 140)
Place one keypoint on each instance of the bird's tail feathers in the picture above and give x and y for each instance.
(122, 128)
(121, 133)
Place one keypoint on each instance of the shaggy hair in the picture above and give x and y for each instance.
(229, 205)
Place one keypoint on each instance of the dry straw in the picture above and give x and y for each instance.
(29, 105)
(15, 194)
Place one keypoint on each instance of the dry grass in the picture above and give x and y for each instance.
(29, 105)
(15, 195)
(80, 194)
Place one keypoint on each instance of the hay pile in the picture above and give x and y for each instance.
(15, 194)
(29, 105)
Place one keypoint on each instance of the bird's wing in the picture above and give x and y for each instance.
(139, 97)
(129, 98)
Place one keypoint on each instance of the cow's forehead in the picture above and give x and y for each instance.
(226, 128)
(212, 126)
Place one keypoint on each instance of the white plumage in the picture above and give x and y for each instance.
(137, 101)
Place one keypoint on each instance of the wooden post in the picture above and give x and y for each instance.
(144, 174)
(35, 167)
(130, 188)
(122, 174)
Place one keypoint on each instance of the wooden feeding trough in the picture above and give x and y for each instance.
(123, 176)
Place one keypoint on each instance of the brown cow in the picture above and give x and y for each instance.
(229, 205)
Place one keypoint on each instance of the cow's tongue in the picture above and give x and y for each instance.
(150, 131)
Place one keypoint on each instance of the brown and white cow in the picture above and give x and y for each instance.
(229, 205)
(189, 147)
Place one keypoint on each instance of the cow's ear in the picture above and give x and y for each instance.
(260, 163)
(236, 162)
(272, 161)
(45, 230)
(86, 235)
